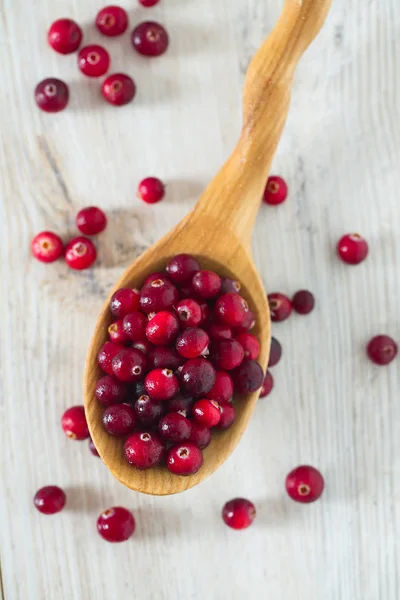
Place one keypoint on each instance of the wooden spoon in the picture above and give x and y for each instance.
(218, 231)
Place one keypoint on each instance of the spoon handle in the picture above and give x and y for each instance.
(233, 196)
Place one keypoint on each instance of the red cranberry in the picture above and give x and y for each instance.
(222, 390)
(151, 190)
(50, 499)
(197, 377)
(144, 346)
(226, 354)
(149, 3)
(189, 312)
(248, 323)
(382, 349)
(206, 412)
(184, 459)
(116, 333)
(206, 284)
(275, 191)
(219, 332)
(305, 484)
(74, 423)
(192, 342)
(150, 39)
(250, 345)
(123, 302)
(200, 435)
(64, 36)
(106, 355)
(91, 220)
(52, 95)
(174, 428)
(144, 449)
(116, 524)
(118, 89)
(229, 286)
(158, 295)
(129, 365)
(147, 411)
(163, 357)
(180, 404)
(110, 391)
(161, 384)
(228, 416)
(162, 329)
(158, 275)
(93, 61)
(279, 306)
(352, 248)
(275, 352)
(231, 309)
(47, 246)
(134, 325)
(267, 385)
(303, 302)
(93, 448)
(182, 268)
(249, 377)
(239, 513)
(119, 420)
(112, 21)
(80, 253)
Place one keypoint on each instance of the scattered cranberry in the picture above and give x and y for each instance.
(189, 312)
(382, 349)
(352, 248)
(118, 89)
(174, 428)
(123, 302)
(64, 36)
(93, 448)
(197, 377)
(222, 390)
(150, 39)
(267, 385)
(161, 384)
(279, 306)
(129, 365)
(91, 220)
(116, 332)
(163, 357)
(106, 355)
(151, 190)
(275, 352)
(93, 61)
(219, 332)
(184, 459)
(47, 246)
(149, 3)
(303, 302)
(239, 513)
(116, 524)
(74, 423)
(276, 190)
(228, 416)
(163, 328)
(226, 354)
(231, 309)
(52, 95)
(230, 286)
(182, 268)
(119, 419)
(305, 484)
(111, 391)
(112, 21)
(250, 345)
(134, 325)
(158, 295)
(80, 253)
(206, 284)
(249, 377)
(50, 499)
(206, 412)
(147, 411)
(192, 342)
(144, 449)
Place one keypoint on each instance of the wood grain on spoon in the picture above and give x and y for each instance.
(218, 231)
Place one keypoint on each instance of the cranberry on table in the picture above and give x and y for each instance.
(112, 21)
(163, 328)
(230, 309)
(275, 352)
(116, 332)
(200, 435)
(219, 332)
(174, 428)
(206, 284)
(382, 349)
(229, 286)
(206, 412)
(148, 3)
(47, 246)
(192, 342)
(305, 484)
(158, 295)
(119, 419)
(111, 391)
(197, 377)
(182, 404)
(189, 312)
(352, 248)
(182, 268)
(134, 325)
(226, 354)
(150, 39)
(106, 355)
(228, 416)
(91, 220)
(93, 448)
(161, 384)
(248, 377)
(239, 513)
(184, 459)
(280, 306)
(124, 301)
(164, 357)
(148, 411)
(250, 345)
(222, 390)
(64, 36)
(144, 449)
(74, 423)
(80, 253)
(52, 95)
(50, 499)
(93, 61)
(267, 386)
(116, 524)
(118, 89)
(151, 190)
(129, 365)
(276, 190)
(303, 302)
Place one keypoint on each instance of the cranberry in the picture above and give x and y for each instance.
(206, 284)
(229, 286)
(118, 89)
(134, 326)
(91, 220)
(110, 391)
(200, 435)
(123, 302)
(180, 404)
(279, 306)
(163, 357)
(93, 61)
(228, 416)
(249, 377)
(147, 411)
(267, 385)
(116, 332)
(162, 329)
(161, 384)
(231, 309)
(119, 420)
(50, 499)
(150, 39)
(275, 352)
(239, 513)
(106, 355)
(149, 3)
(80, 253)
(192, 342)
(174, 428)
(144, 449)
(182, 268)
(248, 322)
(93, 448)
(129, 365)
(112, 21)
(206, 412)
(52, 95)
(303, 302)
(226, 354)
(151, 190)
(158, 295)
(305, 484)
(64, 36)
(47, 246)
(352, 248)
(222, 390)
(219, 332)
(74, 423)
(184, 459)
(144, 346)
(116, 524)
(197, 377)
(158, 275)
(250, 345)
(382, 349)
(275, 191)
(189, 312)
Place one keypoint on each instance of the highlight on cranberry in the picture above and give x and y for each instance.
(178, 358)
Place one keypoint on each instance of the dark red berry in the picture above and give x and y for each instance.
(229, 286)
(106, 355)
(47, 246)
(197, 377)
(189, 313)
(180, 404)
(91, 220)
(144, 346)
(124, 301)
(163, 328)
(280, 306)
(228, 416)
(182, 268)
(151, 190)
(352, 248)
(93, 448)
(267, 385)
(147, 411)
(184, 459)
(161, 384)
(116, 332)
(134, 325)
(148, 3)
(174, 428)
(226, 354)
(305, 484)
(158, 295)
(206, 284)
(64, 36)
(116, 524)
(50, 499)
(129, 365)
(222, 390)
(206, 412)
(150, 39)
(249, 377)
(303, 302)
(74, 423)
(138, 389)
(112, 21)
(118, 89)
(52, 95)
(164, 357)
(200, 435)
(93, 61)
(206, 316)
(157, 275)
(275, 352)
(250, 345)
(111, 391)
(80, 253)
(382, 349)
(219, 332)
(239, 513)
(275, 191)
(231, 309)
(119, 420)
(144, 449)
(192, 342)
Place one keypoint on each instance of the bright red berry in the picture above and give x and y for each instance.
(303, 302)
(206, 412)
(74, 423)
(112, 21)
(50, 499)
(161, 384)
(250, 345)
(116, 524)
(222, 390)
(267, 385)
(182, 268)
(279, 306)
(382, 349)
(124, 301)
(352, 248)
(189, 313)
(134, 325)
(184, 459)
(148, 3)
(275, 191)
(93, 61)
(158, 295)
(80, 253)
(47, 246)
(144, 449)
(275, 352)
(118, 89)
(305, 484)
(150, 39)
(200, 435)
(197, 377)
(119, 419)
(239, 513)
(174, 428)
(228, 416)
(163, 328)
(192, 342)
(129, 365)
(248, 377)
(116, 332)
(147, 411)
(91, 220)
(206, 284)
(111, 391)
(64, 36)
(151, 190)
(106, 355)
(226, 354)
(231, 309)
(52, 95)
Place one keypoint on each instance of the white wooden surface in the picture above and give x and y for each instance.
(330, 406)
